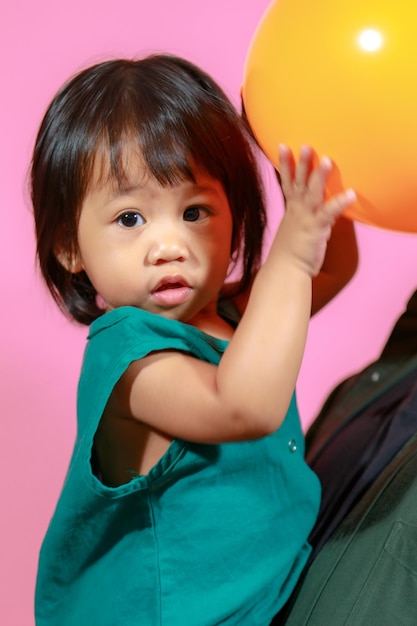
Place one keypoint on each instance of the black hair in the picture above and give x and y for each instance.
(179, 119)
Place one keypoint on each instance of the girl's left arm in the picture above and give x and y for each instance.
(340, 262)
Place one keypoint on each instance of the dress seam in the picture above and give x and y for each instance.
(157, 559)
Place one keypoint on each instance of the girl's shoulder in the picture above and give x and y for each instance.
(127, 334)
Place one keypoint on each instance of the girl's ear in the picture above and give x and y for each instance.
(69, 261)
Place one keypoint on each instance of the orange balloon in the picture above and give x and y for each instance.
(342, 77)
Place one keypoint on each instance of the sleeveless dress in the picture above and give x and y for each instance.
(213, 534)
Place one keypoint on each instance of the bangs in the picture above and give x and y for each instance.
(171, 121)
(140, 127)
(163, 155)
(111, 163)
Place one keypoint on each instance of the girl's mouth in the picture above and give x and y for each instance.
(171, 291)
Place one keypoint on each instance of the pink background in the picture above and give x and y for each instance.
(43, 43)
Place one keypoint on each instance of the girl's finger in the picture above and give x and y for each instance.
(318, 178)
(286, 167)
(304, 168)
(336, 205)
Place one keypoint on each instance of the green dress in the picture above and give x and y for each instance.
(213, 534)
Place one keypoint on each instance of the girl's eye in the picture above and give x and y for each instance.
(130, 219)
(193, 213)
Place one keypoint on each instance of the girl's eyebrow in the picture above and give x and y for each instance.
(124, 190)
(117, 190)
(205, 189)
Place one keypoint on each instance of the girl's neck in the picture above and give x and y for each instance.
(213, 325)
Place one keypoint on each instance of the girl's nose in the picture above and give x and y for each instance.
(167, 250)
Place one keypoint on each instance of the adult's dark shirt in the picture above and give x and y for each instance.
(365, 421)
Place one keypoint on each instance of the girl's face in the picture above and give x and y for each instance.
(163, 249)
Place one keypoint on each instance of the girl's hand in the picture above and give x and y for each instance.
(309, 216)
